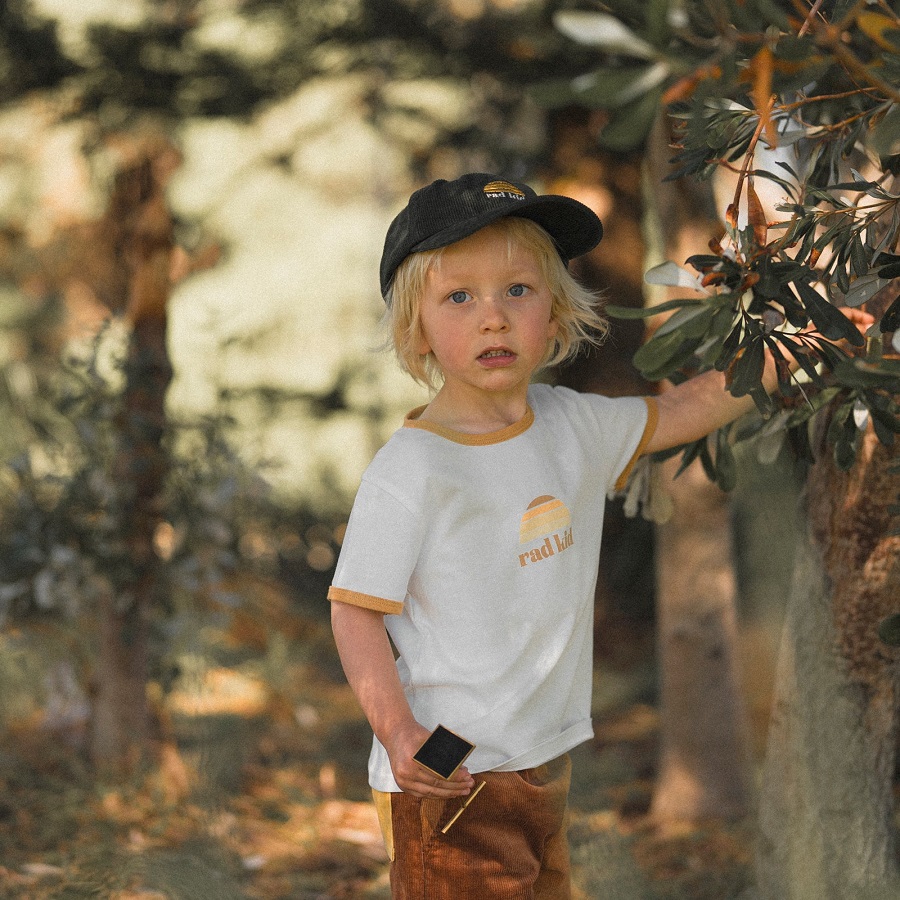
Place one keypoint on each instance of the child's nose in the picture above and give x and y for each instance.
(494, 316)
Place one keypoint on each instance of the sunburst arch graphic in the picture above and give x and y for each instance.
(545, 515)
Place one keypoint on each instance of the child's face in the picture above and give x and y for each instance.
(486, 316)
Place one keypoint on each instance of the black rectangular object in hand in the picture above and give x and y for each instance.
(443, 752)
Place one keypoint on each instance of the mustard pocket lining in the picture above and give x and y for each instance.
(385, 820)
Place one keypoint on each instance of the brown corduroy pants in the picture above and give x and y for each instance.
(509, 844)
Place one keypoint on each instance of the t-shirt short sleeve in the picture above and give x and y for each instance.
(646, 434)
(614, 430)
(378, 553)
(624, 426)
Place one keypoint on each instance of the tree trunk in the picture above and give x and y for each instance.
(705, 766)
(120, 726)
(827, 827)
(138, 231)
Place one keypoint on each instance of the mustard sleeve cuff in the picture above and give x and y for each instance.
(366, 601)
(649, 430)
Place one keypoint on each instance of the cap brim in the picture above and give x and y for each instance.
(574, 227)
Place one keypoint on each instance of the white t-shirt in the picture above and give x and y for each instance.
(482, 549)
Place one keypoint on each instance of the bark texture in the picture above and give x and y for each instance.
(827, 829)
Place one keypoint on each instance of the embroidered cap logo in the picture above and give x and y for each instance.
(503, 189)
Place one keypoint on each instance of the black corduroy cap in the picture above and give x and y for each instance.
(444, 212)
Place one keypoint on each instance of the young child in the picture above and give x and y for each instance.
(474, 538)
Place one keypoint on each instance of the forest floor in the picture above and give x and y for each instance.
(260, 793)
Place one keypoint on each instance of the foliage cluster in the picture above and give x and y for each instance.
(188, 58)
(62, 508)
(804, 96)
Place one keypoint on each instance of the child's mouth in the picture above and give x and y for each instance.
(496, 357)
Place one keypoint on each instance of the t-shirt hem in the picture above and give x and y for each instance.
(542, 753)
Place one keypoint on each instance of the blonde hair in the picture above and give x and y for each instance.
(574, 309)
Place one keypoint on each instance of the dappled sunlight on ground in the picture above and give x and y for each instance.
(260, 793)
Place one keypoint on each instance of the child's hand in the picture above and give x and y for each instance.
(413, 778)
(859, 317)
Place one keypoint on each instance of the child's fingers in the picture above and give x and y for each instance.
(439, 790)
(414, 778)
(424, 784)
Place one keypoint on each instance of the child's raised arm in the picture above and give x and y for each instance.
(702, 404)
(693, 409)
(368, 662)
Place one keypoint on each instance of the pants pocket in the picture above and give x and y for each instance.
(434, 816)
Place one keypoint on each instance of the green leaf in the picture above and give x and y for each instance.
(793, 49)
(884, 138)
(691, 452)
(864, 373)
(764, 403)
(682, 356)
(842, 423)
(793, 308)
(706, 460)
(830, 321)
(745, 372)
(645, 312)
(863, 289)
(730, 347)
(689, 322)
(604, 31)
(552, 94)
(782, 366)
(802, 354)
(842, 279)
(889, 630)
(628, 127)
(670, 274)
(722, 321)
(726, 467)
(844, 455)
(890, 321)
(855, 185)
(772, 14)
(615, 87)
(703, 262)
(859, 263)
(892, 270)
(658, 26)
(885, 425)
(806, 246)
(657, 351)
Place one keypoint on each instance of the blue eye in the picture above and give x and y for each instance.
(459, 297)
(518, 290)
